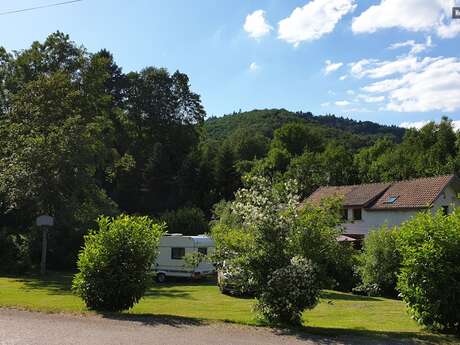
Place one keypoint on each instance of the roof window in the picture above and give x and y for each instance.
(391, 199)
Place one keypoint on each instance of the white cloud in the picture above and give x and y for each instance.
(415, 124)
(325, 104)
(343, 77)
(256, 25)
(420, 124)
(415, 47)
(378, 69)
(253, 67)
(371, 99)
(342, 103)
(429, 84)
(350, 92)
(383, 86)
(315, 19)
(331, 67)
(412, 15)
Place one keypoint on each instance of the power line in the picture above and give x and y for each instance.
(39, 7)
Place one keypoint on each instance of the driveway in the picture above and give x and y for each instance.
(31, 328)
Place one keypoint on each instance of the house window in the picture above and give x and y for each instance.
(177, 253)
(357, 214)
(203, 250)
(445, 210)
(344, 214)
(391, 199)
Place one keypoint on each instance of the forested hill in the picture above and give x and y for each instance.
(266, 121)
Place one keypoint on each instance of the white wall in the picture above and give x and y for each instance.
(374, 219)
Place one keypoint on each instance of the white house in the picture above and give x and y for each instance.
(368, 206)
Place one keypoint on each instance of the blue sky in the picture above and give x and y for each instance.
(393, 62)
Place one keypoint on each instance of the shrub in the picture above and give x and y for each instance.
(271, 230)
(429, 281)
(115, 262)
(186, 220)
(289, 291)
(14, 252)
(380, 261)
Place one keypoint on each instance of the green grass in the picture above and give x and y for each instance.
(338, 313)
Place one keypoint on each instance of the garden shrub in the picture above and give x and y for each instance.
(14, 252)
(271, 232)
(186, 221)
(115, 263)
(429, 281)
(380, 261)
(289, 291)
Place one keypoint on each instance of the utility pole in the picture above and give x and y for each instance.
(44, 222)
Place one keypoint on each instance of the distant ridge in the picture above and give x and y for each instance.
(266, 121)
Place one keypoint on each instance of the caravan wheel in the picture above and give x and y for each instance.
(160, 278)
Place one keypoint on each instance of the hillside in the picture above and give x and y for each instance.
(266, 121)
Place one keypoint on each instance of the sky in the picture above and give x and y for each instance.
(387, 61)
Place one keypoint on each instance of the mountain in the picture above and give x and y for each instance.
(266, 121)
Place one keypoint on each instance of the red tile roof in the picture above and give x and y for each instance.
(355, 195)
(416, 193)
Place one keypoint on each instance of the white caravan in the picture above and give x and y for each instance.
(172, 249)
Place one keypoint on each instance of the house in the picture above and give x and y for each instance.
(368, 206)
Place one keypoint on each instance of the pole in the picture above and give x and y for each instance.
(44, 245)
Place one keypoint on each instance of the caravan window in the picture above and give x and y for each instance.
(177, 253)
(203, 250)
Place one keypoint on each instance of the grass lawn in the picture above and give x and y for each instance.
(338, 313)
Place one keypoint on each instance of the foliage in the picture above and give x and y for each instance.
(193, 260)
(267, 229)
(430, 275)
(186, 221)
(14, 252)
(115, 262)
(380, 260)
(289, 291)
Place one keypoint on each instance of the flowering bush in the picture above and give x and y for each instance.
(289, 291)
(269, 232)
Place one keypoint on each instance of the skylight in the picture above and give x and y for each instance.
(391, 199)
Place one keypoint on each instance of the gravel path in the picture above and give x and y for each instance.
(31, 328)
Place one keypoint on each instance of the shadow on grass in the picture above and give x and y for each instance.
(347, 296)
(54, 283)
(156, 319)
(173, 293)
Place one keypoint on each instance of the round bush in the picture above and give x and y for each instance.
(430, 275)
(115, 262)
(289, 291)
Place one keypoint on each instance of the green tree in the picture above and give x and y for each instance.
(429, 281)
(381, 260)
(295, 138)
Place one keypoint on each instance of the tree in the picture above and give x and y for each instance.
(381, 260)
(429, 281)
(295, 138)
(186, 220)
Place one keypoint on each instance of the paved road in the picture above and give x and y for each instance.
(29, 328)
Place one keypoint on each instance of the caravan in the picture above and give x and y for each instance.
(172, 250)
